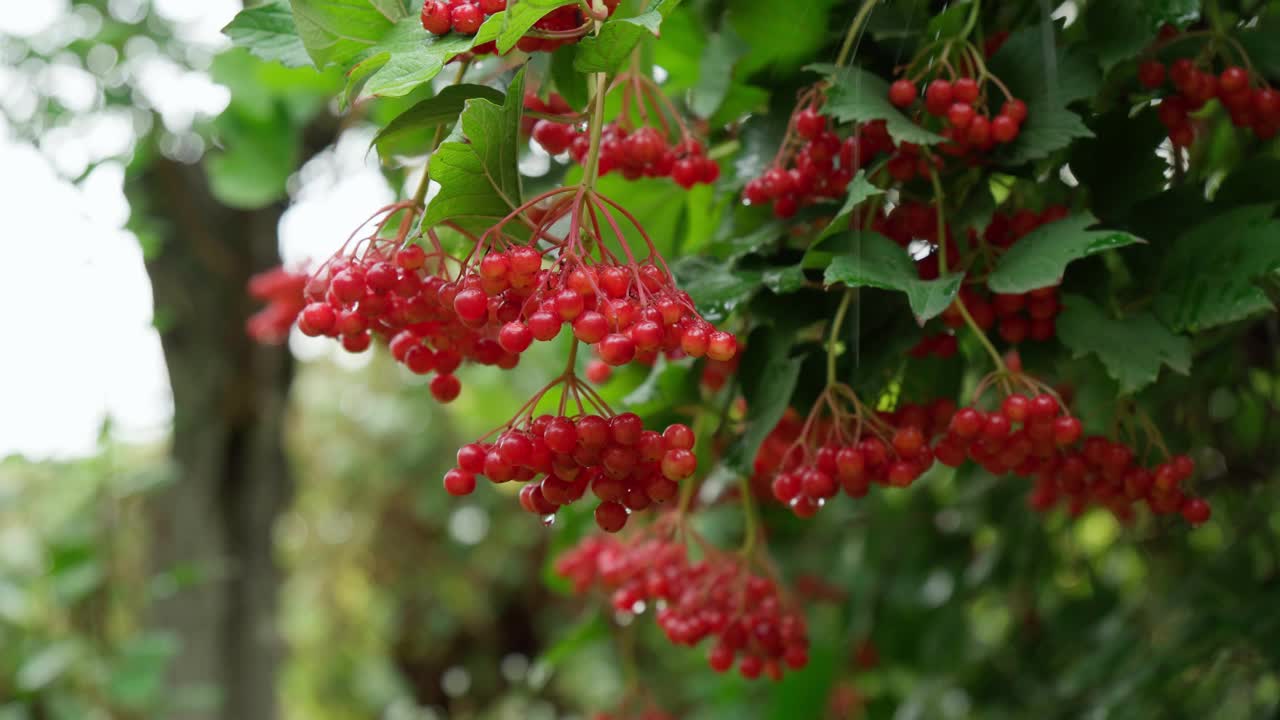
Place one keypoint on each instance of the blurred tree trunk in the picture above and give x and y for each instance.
(212, 529)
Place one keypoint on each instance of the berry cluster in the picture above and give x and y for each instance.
(717, 596)
(1256, 107)
(843, 445)
(282, 291)
(559, 27)
(620, 310)
(1033, 437)
(625, 466)
(642, 152)
(961, 107)
(398, 295)
(813, 162)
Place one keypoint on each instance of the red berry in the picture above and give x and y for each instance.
(466, 18)
(902, 93)
(459, 482)
(515, 337)
(1233, 80)
(1004, 129)
(1066, 431)
(678, 437)
(1151, 74)
(965, 90)
(1195, 511)
(960, 115)
(611, 516)
(679, 464)
(938, 96)
(590, 327)
(598, 371)
(435, 17)
(809, 123)
(722, 346)
(445, 388)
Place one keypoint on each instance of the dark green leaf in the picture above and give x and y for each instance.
(476, 165)
(1132, 349)
(715, 287)
(337, 31)
(591, 629)
(784, 280)
(1040, 259)
(667, 385)
(1046, 130)
(619, 36)
(859, 96)
(768, 375)
(1260, 42)
(859, 191)
(1208, 275)
(781, 37)
(410, 132)
(268, 31)
(869, 259)
(571, 84)
(1114, 42)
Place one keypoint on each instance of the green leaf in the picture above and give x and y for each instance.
(1047, 79)
(1207, 278)
(667, 385)
(784, 280)
(715, 287)
(407, 56)
(138, 675)
(859, 96)
(859, 191)
(521, 15)
(715, 75)
(257, 158)
(1040, 259)
(476, 165)
(869, 259)
(337, 31)
(268, 31)
(410, 132)
(1046, 130)
(781, 37)
(1114, 42)
(1259, 41)
(769, 376)
(1132, 350)
(607, 51)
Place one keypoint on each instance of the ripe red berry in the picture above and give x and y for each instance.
(435, 17)
(938, 96)
(466, 18)
(459, 482)
(445, 388)
(515, 337)
(1195, 511)
(902, 93)
(1003, 129)
(598, 371)
(722, 346)
(678, 437)
(965, 90)
(679, 464)
(1151, 74)
(1233, 80)
(809, 123)
(1066, 431)
(960, 115)
(611, 516)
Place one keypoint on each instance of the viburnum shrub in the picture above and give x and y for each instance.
(962, 260)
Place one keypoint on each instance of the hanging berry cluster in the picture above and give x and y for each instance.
(716, 597)
(660, 145)
(1032, 436)
(961, 105)
(281, 289)
(397, 293)
(1250, 102)
(559, 457)
(813, 162)
(561, 26)
(843, 445)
